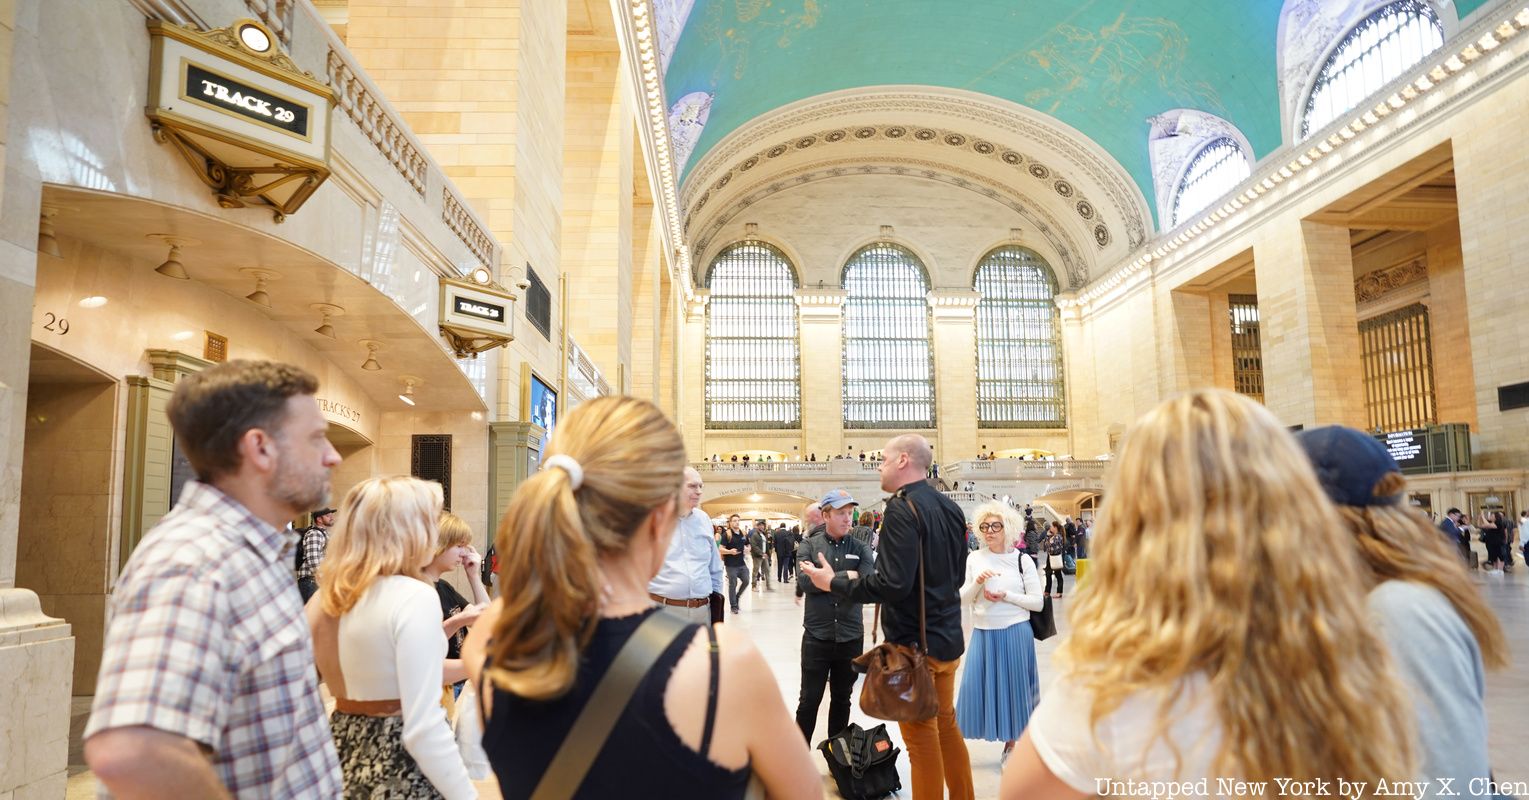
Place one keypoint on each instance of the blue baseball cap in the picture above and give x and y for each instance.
(837, 498)
(1349, 464)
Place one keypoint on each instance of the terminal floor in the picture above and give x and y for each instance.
(775, 623)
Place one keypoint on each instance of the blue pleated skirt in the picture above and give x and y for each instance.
(1001, 684)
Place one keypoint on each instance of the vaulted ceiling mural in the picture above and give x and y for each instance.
(1103, 67)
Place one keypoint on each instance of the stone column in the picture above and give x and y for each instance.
(1085, 436)
(1187, 343)
(821, 331)
(597, 207)
(691, 376)
(955, 371)
(1309, 326)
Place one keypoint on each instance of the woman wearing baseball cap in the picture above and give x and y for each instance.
(1438, 628)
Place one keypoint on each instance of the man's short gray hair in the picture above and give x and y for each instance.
(916, 447)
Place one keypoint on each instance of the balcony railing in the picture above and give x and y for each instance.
(1015, 469)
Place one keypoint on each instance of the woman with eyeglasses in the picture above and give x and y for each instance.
(1000, 686)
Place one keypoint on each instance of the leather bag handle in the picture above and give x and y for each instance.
(593, 727)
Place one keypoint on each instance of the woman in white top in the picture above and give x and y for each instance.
(378, 642)
(1222, 633)
(1001, 685)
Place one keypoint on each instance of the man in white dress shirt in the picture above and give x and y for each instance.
(692, 569)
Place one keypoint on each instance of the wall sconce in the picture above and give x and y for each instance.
(372, 346)
(47, 243)
(409, 382)
(259, 296)
(326, 310)
(172, 267)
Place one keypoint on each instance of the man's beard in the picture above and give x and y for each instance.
(299, 491)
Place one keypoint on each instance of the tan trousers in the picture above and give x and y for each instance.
(936, 752)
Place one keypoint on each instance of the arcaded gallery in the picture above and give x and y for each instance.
(886, 267)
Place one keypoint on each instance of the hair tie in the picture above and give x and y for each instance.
(568, 465)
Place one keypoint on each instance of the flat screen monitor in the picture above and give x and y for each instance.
(543, 407)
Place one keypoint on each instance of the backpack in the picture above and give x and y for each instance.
(297, 560)
(863, 762)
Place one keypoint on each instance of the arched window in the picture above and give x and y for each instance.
(752, 372)
(1390, 41)
(1019, 344)
(1213, 172)
(888, 364)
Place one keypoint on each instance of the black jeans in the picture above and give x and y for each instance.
(737, 582)
(785, 565)
(308, 587)
(825, 662)
(1060, 586)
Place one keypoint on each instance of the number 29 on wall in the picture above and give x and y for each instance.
(53, 323)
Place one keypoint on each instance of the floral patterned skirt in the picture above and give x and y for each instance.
(373, 759)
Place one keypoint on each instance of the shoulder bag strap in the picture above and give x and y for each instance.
(711, 691)
(923, 633)
(585, 739)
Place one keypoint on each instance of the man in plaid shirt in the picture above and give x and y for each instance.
(312, 543)
(207, 686)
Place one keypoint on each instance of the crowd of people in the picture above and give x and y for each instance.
(1259, 606)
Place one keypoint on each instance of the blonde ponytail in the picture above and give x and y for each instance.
(552, 537)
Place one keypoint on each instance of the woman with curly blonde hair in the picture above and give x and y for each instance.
(1440, 630)
(1221, 633)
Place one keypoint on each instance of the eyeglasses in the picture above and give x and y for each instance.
(990, 526)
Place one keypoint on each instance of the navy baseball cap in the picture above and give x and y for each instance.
(1349, 464)
(837, 498)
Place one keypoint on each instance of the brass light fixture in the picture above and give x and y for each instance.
(372, 346)
(262, 276)
(47, 243)
(409, 382)
(327, 310)
(172, 266)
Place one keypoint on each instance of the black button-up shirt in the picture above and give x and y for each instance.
(829, 617)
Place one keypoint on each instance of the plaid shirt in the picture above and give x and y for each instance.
(207, 640)
(314, 542)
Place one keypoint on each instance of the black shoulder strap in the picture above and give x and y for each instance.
(711, 692)
(923, 631)
(593, 727)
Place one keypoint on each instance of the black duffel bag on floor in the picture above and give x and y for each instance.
(863, 762)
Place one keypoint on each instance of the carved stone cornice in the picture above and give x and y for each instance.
(1372, 285)
(1003, 158)
(1016, 121)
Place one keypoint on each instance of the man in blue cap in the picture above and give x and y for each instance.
(834, 629)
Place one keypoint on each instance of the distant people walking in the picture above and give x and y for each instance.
(1055, 545)
(581, 541)
(734, 547)
(205, 629)
(378, 645)
(759, 554)
(1001, 683)
(1440, 630)
(1213, 513)
(921, 527)
(311, 544)
(785, 562)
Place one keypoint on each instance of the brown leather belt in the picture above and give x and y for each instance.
(669, 601)
(368, 708)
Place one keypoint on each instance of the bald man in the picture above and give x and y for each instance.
(920, 525)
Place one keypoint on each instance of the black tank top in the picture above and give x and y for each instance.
(643, 757)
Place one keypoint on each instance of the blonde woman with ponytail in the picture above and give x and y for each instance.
(577, 547)
(1440, 630)
(1221, 633)
(379, 646)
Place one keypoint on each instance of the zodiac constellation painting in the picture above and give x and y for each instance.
(763, 17)
(1112, 63)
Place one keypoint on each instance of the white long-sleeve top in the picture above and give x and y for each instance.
(392, 646)
(1024, 590)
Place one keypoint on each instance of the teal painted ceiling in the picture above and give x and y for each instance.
(1102, 66)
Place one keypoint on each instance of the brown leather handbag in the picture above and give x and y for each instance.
(898, 684)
